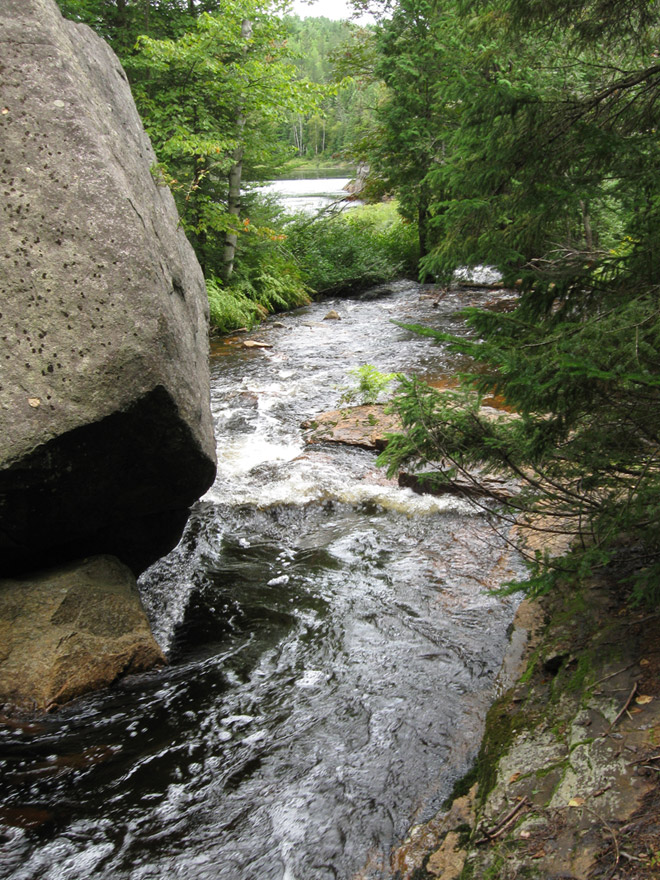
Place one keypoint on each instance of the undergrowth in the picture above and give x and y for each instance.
(290, 259)
(353, 250)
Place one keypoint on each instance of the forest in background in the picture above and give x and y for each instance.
(230, 93)
(511, 133)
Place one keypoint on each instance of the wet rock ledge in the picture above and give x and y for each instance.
(104, 389)
(567, 780)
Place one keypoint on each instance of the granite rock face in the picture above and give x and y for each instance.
(88, 624)
(106, 431)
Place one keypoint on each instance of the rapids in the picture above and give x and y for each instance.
(333, 648)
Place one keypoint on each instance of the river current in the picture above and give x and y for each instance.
(333, 645)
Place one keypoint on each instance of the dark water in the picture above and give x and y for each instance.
(333, 650)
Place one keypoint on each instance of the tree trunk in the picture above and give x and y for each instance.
(586, 222)
(121, 19)
(234, 209)
(235, 176)
(422, 226)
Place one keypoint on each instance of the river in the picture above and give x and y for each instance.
(310, 195)
(333, 649)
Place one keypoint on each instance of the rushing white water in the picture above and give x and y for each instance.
(333, 645)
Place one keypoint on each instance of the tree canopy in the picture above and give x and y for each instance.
(212, 101)
(213, 82)
(548, 171)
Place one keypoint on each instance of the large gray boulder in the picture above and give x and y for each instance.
(106, 435)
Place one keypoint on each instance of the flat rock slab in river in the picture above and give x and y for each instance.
(364, 426)
(368, 426)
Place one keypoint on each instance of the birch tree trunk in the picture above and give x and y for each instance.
(235, 176)
(586, 222)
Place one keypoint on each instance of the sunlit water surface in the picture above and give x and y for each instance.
(310, 195)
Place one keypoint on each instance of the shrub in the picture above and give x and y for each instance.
(358, 248)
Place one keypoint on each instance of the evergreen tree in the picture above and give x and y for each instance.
(551, 175)
(417, 52)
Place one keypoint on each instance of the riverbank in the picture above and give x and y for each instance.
(566, 783)
(304, 257)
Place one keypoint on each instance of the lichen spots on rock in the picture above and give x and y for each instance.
(84, 265)
(107, 435)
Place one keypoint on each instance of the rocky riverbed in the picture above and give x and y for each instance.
(566, 783)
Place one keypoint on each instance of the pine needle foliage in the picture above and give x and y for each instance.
(549, 173)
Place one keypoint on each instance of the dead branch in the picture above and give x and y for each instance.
(624, 710)
(503, 824)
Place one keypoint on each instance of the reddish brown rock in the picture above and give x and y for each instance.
(364, 426)
(69, 631)
(368, 426)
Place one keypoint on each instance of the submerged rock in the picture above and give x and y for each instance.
(71, 630)
(104, 385)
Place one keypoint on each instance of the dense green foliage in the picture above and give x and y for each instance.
(121, 22)
(548, 171)
(354, 249)
(347, 112)
(417, 53)
(211, 101)
(521, 135)
(228, 91)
